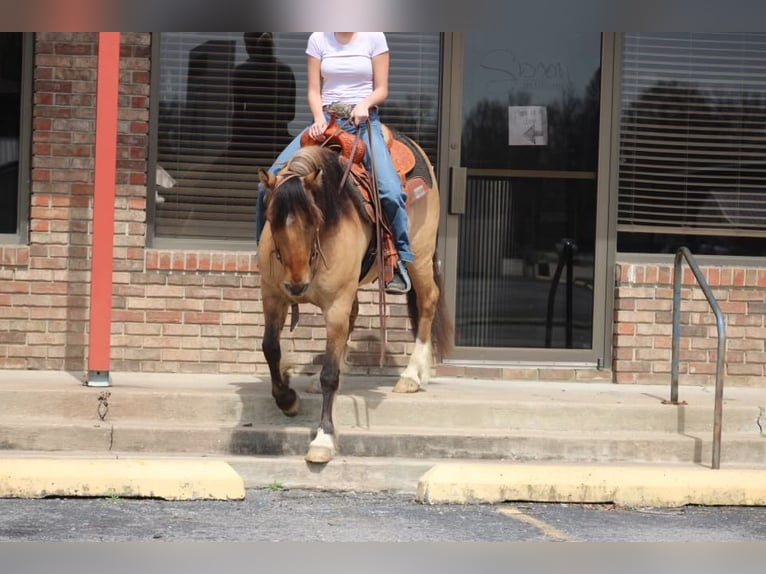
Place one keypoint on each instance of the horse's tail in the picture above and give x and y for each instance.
(442, 330)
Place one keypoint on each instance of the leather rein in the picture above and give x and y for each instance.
(375, 196)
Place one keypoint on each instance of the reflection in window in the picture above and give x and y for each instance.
(530, 194)
(693, 143)
(228, 104)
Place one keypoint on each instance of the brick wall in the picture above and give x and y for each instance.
(199, 311)
(643, 325)
(45, 284)
(173, 310)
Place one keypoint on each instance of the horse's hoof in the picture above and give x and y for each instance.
(319, 454)
(294, 409)
(321, 449)
(406, 385)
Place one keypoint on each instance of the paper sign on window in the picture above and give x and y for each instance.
(527, 125)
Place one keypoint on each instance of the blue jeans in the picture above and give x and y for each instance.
(392, 195)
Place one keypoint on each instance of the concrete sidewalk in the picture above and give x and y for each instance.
(461, 441)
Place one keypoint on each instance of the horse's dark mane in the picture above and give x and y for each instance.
(331, 200)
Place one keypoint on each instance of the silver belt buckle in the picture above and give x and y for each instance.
(340, 109)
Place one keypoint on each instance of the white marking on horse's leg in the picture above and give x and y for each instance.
(322, 448)
(425, 355)
(418, 371)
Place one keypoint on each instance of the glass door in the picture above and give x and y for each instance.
(525, 268)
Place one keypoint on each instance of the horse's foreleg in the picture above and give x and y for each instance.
(418, 372)
(315, 385)
(322, 448)
(275, 313)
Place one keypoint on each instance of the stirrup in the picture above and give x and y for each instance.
(400, 284)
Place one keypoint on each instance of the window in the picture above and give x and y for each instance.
(13, 190)
(229, 102)
(692, 159)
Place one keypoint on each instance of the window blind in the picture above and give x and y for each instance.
(226, 112)
(693, 135)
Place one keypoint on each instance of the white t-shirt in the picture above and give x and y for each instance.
(346, 69)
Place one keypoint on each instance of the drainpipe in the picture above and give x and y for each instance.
(99, 340)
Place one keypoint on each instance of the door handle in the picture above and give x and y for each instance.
(458, 177)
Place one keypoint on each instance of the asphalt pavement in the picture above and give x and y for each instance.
(281, 515)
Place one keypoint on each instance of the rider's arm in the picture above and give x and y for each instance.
(315, 96)
(379, 88)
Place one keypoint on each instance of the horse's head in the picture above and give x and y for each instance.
(295, 220)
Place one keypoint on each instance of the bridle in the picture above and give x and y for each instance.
(316, 246)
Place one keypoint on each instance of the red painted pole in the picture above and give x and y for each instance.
(99, 341)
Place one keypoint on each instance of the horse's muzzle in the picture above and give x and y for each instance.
(296, 289)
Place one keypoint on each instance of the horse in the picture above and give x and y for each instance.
(316, 235)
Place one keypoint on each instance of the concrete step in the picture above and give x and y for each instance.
(57, 434)
(505, 406)
(454, 419)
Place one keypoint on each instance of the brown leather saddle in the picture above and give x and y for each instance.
(351, 148)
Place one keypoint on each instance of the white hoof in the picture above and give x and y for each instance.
(322, 448)
(406, 385)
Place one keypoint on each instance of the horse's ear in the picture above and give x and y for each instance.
(313, 180)
(268, 180)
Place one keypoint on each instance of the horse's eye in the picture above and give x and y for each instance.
(278, 254)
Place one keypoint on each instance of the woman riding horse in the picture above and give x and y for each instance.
(352, 68)
(316, 235)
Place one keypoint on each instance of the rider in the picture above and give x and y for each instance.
(352, 68)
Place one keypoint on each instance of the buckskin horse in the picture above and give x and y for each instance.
(313, 247)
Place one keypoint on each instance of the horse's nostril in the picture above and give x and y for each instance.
(296, 289)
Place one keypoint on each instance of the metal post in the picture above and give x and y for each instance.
(676, 328)
(99, 341)
(569, 250)
(565, 258)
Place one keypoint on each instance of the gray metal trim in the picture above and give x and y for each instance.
(606, 230)
(449, 157)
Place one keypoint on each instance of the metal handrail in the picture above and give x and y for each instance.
(684, 253)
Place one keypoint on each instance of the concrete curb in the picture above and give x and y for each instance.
(135, 478)
(633, 486)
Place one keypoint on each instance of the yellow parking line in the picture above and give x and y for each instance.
(544, 527)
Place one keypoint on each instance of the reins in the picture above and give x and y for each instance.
(379, 250)
(375, 194)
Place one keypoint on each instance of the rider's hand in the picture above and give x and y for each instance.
(360, 114)
(317, 129)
